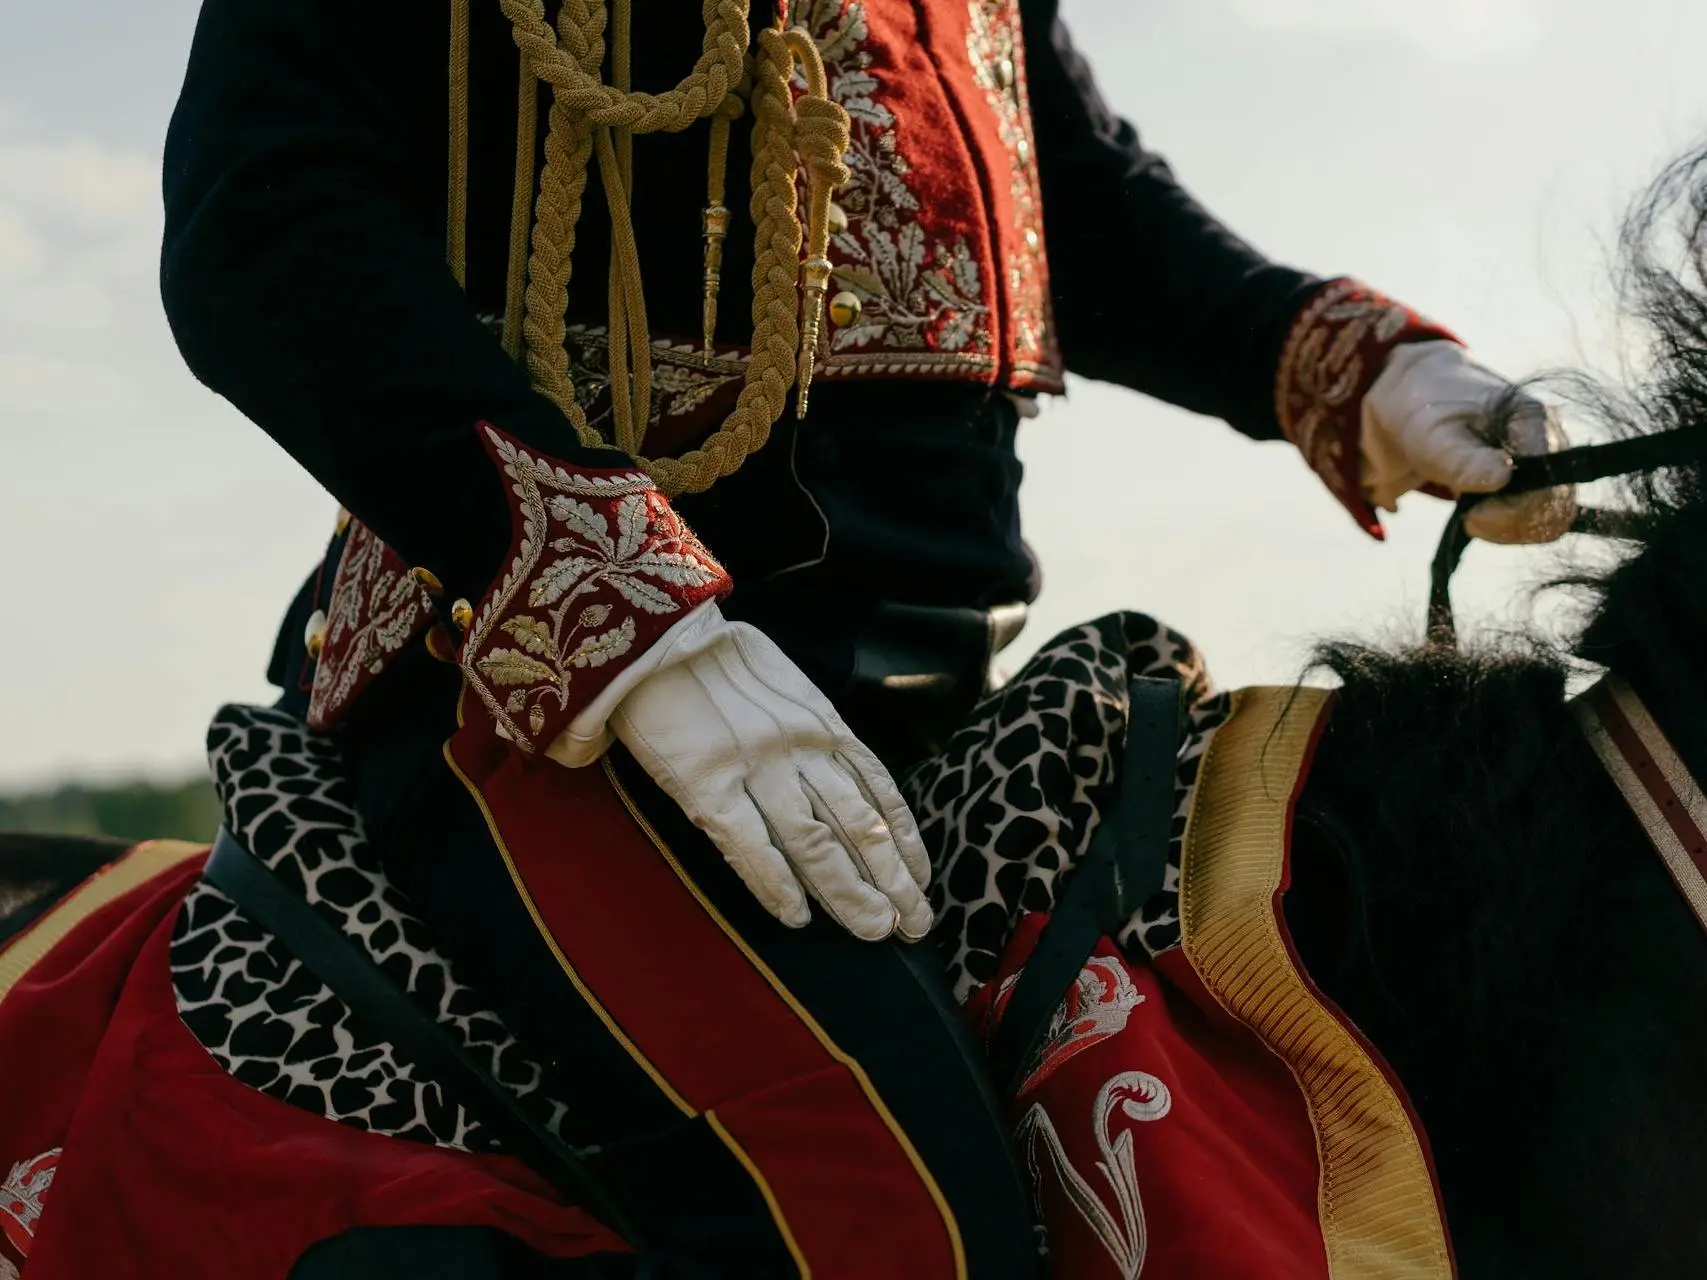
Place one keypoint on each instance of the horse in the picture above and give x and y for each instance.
(1468, 885)
(38, 870)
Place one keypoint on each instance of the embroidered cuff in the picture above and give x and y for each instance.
(1332, 356)
(588, 734)
(599, 570)
(377, 607)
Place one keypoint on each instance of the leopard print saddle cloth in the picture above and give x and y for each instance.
(1006, 810)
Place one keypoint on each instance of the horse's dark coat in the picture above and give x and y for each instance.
(37, 871)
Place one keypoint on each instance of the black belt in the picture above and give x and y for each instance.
(1124, 867)
(356, 980)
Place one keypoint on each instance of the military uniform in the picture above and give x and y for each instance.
(983, 225)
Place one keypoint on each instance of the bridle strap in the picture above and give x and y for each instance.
(1654, 781)
(1580, 465)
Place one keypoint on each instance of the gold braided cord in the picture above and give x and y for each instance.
(560, 59)
(588, 116)
(456, 219)
(821, 138)
(622, 80)
(521, 206)
(631, 399)
(631, 395)
(557, 210)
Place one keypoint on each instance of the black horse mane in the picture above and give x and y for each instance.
(1466, 875)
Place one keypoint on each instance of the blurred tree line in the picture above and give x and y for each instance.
(133, 810)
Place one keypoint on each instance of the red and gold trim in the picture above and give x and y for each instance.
(377, 608)
(600, 567)
(131, 870)
(1332, 356)
(1378, 1205)
(1654, 781)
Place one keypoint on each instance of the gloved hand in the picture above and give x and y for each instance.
(1426, 420)
(757, 757)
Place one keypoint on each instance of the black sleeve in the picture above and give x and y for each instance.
(304, 275)
(1149, 289)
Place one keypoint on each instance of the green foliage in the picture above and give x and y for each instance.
(134, 810)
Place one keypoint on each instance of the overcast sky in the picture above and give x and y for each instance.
(1470, 156)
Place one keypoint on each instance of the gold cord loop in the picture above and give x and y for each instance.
(588, 117)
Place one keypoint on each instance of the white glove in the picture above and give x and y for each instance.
(757, 757)
(1426, 420)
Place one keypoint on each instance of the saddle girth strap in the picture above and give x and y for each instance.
(360, 983)
(1124, 867)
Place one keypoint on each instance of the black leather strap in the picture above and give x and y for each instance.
(1584, 463)
(1122, 870)
(356, 980)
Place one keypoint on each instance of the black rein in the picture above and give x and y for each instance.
(1580, 465)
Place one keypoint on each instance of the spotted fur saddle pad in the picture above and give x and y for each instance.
(1006, 811)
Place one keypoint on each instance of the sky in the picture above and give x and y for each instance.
(1469, 156)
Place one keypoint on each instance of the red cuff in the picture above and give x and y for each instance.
(377, 608)
(1332, 356)
(599, 568)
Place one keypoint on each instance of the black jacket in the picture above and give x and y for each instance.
(304, 276)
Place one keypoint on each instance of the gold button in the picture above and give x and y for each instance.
(440, 645)
(428, 579)
(838, 219)
(462, 613)
(1022, 151)
(1005, 73)
(845, 308)
(1031, 238)
(314, 634)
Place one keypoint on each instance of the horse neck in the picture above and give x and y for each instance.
(1515, 947)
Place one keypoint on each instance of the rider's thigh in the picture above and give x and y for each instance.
(770, 1101)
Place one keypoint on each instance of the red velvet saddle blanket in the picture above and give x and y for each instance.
(1201, 1114)
(126, 1151)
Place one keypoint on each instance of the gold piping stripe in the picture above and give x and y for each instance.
(1376, 1198)
(799, 1010)
(1684, 873)
(633, 1050)
(112, 882)
(783, 1229)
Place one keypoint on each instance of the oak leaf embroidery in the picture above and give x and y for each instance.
(603, 566)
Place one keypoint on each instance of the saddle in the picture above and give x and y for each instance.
(1123, 868)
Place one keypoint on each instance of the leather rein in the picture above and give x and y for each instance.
(1580, 465)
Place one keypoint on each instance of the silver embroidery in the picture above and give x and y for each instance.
(915, 294)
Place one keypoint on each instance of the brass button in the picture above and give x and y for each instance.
(1031, 240)
(462, 613)
(428, 579)
(1022, 151)
(1005, 73)
(838, 219)
(314, 634)
(845, 308)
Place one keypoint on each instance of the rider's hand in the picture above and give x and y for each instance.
(738, 736)
(1428, 420)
